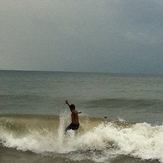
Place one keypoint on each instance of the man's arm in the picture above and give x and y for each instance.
(67, 103)
(76, 112)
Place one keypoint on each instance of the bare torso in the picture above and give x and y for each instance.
(74, 117)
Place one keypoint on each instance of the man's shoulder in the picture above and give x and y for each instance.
(74, 111)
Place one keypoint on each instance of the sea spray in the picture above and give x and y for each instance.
(61, 129)
(98, 141)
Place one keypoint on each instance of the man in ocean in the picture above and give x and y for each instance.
(74, 117)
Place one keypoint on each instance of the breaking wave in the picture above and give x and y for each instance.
(97, 139)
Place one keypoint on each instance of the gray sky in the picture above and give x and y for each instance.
(115, 36)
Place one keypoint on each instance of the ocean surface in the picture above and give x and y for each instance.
(33, 117)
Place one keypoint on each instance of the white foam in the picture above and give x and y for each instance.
(102, 142)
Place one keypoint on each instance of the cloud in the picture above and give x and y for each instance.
(103, 36)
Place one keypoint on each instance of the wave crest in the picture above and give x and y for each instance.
(96, 139)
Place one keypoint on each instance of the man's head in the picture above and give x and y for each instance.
(72, 107)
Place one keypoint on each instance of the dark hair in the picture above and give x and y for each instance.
(72, 106)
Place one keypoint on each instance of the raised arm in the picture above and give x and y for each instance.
(67, 103)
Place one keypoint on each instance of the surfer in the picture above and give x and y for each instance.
(74, 117)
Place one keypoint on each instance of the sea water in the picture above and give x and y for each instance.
(33, 117)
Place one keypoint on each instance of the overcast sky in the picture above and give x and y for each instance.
(115, 36)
